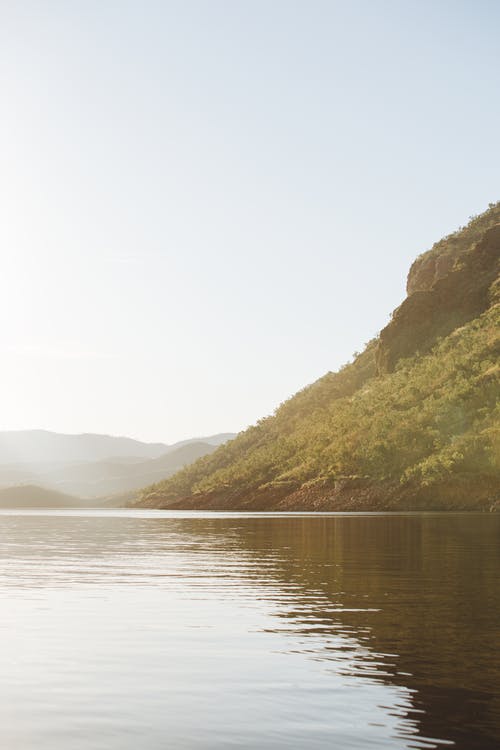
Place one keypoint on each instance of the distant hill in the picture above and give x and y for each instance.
(40, 446)
(104, 478)
(30, 496)
(116, 473)
(219, 439)
(412, 422)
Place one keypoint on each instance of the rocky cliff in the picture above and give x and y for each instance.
(442, 257)
(446, 292)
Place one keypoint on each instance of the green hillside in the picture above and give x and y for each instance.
(412, 422)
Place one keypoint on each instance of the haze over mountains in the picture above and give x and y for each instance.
(40, 446)
(87, 466)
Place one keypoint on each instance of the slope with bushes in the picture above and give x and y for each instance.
(412, 422)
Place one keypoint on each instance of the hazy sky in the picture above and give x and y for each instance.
(207, 205)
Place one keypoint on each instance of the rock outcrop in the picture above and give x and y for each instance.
(449, 292)
(442, 257)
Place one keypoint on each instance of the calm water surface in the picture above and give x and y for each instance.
(122, 630)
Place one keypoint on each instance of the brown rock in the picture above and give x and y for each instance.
(451, 301)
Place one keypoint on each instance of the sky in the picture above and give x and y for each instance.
(206, 205)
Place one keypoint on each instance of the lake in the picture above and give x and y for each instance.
(132, 629)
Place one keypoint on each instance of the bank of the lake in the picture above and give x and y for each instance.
(348, 494)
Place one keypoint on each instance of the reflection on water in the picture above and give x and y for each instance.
(127, 629)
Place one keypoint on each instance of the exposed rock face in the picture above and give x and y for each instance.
(442, 257)
(427, 270)
(448, 292)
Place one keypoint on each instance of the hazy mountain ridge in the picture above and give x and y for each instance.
(412, 422)
(92, 479)
(40, 446)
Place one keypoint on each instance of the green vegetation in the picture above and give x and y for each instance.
(435, 419)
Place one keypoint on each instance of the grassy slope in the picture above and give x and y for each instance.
(435, 419)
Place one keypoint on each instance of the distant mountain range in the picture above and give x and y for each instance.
(88, 466)
(41, 446)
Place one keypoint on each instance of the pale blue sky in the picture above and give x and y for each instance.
(207, 205)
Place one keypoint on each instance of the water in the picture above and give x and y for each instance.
(127, 629)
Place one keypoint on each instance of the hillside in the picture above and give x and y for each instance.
(413, 422)
(31, 496)
(105, 478)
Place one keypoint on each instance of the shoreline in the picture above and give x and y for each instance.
(346, 495)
